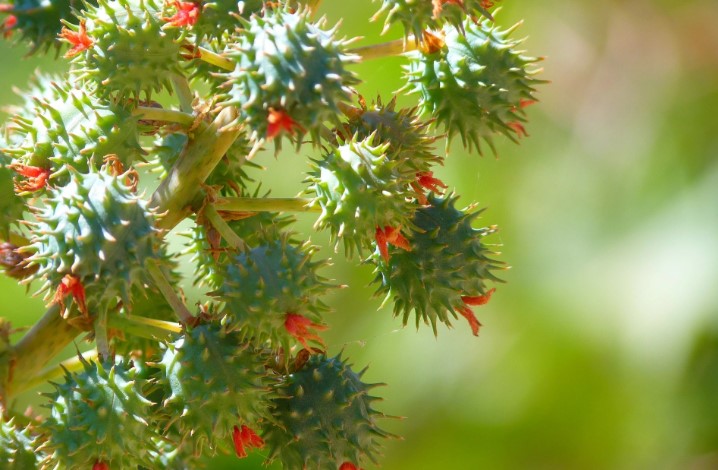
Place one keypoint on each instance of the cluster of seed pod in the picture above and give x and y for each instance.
(249, 369)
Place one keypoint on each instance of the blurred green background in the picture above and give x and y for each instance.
(601, 351)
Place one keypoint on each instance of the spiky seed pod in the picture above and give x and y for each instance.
(215, 382)
(323, 417)
(416, 16)
(98, 415)
(40, 88)
(17, 449)
(98, 231)
(217, 19)
(447, 264)
(39, 21)
(265, 284)
(405, 133)
(290, 68)
(124, 49)
(359, 189)
(12, 206)
(75, 129)
(210, 252)
(476, 85)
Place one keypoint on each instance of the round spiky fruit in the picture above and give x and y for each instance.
(361, 191)
(476, 84)
(323, 418)
(97, 232)
(214, 20)
(37, 21)
(17, 451)
(290, 75)
(446, 271)
(122, 46)
(215, 383)
(406, 134)
(98, 415)
(75, 129)
(272, 292)
(416, 16)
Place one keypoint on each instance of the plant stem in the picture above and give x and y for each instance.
(184, 93)
(166, 115)
(385, 49)
(103, 344)
(143, 327)
(169, 293)
(178, 190)
(229, 235)
(215, 59)
(265, 204)
(74, 364)
(44, 341)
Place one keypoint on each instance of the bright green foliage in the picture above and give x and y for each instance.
(360, 188)
(96, 229)
(263, 284)
(131, 53)
(74, 129)
(39, 21)
(98, 415)
(17, 449)
(322, 417)
(214, 382)
(286, 63)
(476, 85)
(447, 261)
(416, 16)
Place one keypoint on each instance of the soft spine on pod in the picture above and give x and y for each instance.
(446, 271)
(121, 46)
(475, 83)
(215, 383)
(97, 233)
(98, 416)
(322, 418)
(289, 77)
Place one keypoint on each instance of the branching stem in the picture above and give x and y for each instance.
(265, 204)
(53, 373)
(143, 327)
(169, 293)
(184, 93)
(165, 115)
(215, 59)
(229, 235)
(385, 49)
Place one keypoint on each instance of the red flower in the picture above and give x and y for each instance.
(79, 40)
(36, 177)
(71, 285)
(390, 235)
(8, 25)
(278, 120)
(245, 437)
(426, 180)
(100, 465)
(299, 326)
(348, 466)
(187, 14)
(475, 301)
(518, 128)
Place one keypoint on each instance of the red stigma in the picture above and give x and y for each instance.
(390, 236)
(245, 437)
(79, 40)
(278, 120)
(8, 25)
(523, 103)
(36, 177)
(187, 14)
(475, 301)
(426, 180)
(71, 285)
(299, 327)
(348, 466)
(99, 465)
(518, 128)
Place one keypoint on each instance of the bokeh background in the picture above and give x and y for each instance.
(601, 350)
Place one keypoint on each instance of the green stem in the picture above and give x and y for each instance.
(166, 115)
(265, 204)
(103, 344)
(386, 49)
(229, 235)
(44, 341)
(216, 59)
(52, 373)
(175, 195)
(184, 93)
(169, 293)
(143, 327)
